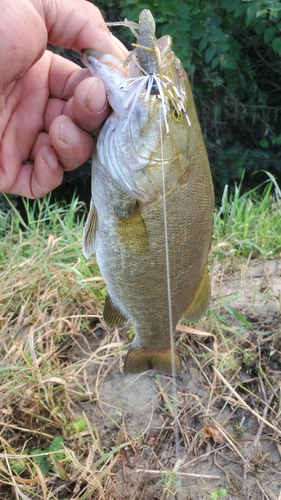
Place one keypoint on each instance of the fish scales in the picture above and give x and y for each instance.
(125, 225)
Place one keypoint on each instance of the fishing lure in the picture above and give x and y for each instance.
(152, 58)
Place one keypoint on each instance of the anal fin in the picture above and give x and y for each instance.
(112, 315)
(140, 360)
(201, 300)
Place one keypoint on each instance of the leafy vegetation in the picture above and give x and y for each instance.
(248, 223)
(64, 436)
(218, 493)
(232, 52)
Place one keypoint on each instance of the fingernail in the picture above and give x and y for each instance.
(49, 157)
(69, 132)
(92, 104)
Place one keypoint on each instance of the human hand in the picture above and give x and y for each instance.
(47, 113)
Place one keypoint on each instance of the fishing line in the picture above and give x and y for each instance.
(171, 329)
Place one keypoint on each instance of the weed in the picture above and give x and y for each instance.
(73, 427)
(218, 493)
(250, 222)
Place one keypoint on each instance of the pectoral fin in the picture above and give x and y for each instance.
(89, 235)
(140, 360)
(131, 227)
(112, 315)
(200, 303)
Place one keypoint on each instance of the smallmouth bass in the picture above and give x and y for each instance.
(151, 184)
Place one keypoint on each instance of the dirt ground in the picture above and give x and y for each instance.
(228, 424)
(214, 432)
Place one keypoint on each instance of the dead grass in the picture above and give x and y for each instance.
(72, 426)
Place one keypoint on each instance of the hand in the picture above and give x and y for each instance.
(48, 105)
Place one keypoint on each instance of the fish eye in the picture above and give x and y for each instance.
(177, 114)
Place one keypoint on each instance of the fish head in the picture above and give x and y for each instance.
(147, 136)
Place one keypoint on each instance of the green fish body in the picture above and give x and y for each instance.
(151, 214)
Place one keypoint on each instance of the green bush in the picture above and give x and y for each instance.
(232, 53)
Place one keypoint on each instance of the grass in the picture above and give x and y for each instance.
(249, 223)
(70, 427)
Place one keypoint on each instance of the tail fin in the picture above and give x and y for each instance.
(140, 360)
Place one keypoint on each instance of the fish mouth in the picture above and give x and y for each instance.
(84, 54)
(89, 56)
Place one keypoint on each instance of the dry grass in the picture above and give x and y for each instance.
(73, 427)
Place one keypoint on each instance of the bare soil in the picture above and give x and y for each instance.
(222, 437)
(222, 441)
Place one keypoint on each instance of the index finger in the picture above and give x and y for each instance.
(79, 24)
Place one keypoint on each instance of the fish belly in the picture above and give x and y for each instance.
(132, 257)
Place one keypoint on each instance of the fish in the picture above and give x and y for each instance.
(150, 220)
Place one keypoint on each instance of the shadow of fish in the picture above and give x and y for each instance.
(151, 213)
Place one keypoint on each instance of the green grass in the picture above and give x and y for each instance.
(50, 300)
(249, 224)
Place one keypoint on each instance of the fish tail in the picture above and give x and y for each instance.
(140, 360)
